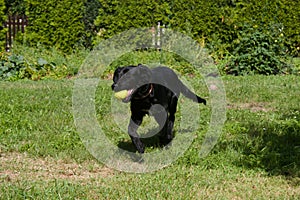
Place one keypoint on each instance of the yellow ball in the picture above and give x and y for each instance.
(121, 94)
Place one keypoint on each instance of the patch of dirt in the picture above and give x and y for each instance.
(20, 166)
(254, 106)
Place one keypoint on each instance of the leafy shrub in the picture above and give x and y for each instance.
(10, 65)
(38, 63)
(288, 13)
(259, 53)
(91, 11)
(2, 29)
(236, 14)
(216, 24)
(15, 7)
(67, 24)
(296, 62)
(55, 23)
(153, 59)
(14, 67)
(118, 16)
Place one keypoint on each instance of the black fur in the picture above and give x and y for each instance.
(148, 87)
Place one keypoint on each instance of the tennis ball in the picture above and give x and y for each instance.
(121, 94)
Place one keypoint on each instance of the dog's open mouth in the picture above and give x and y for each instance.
(128, 97)
(124, 95)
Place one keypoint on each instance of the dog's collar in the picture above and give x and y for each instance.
(147, 94)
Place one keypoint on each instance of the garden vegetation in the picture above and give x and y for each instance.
(255, 46)
(247, 37)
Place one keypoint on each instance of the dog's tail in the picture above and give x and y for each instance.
(189, 94)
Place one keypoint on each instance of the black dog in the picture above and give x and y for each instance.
(145, 88)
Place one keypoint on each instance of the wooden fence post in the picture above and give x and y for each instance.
(14, 24)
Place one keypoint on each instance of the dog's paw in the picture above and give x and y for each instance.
(138, 158)
(140, 146)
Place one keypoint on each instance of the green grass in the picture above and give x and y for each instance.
(256, 157)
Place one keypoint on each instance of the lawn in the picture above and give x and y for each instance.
(257, 155)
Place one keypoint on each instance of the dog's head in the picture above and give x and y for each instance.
(131, 79)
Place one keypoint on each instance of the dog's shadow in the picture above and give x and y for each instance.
(150, 140)
(127, 145)
(151, 143)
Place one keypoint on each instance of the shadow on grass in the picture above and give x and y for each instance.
(273, 146)
(150, 140)
(127, 145)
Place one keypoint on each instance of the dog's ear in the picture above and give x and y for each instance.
(117, 74)
(144, 72)
(119, 69)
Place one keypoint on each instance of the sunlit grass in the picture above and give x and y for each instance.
(257, 155)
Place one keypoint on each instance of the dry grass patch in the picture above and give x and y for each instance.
(253, 106)
(20, 166)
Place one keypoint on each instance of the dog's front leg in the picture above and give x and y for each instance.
(134, 124)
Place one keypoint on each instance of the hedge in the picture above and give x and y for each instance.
(15, 7)
(55, 23)
(2, 29)
(217, 24)
(116, 16)
(91, 11)
(281, 14)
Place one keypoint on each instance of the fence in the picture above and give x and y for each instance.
(14, 24)
(18, 23)
(157, 35)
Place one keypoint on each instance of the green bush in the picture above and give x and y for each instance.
(265, 12)
(152, 59)
(15, 7)
(55, 24)
(10, 65)
(216, 24)
(260, 52)
(290, 16)
(2, 29)
(118, 16)
(39, 63)
(91, 11)
(15, 66)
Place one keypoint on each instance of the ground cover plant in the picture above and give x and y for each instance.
(38, 63)
(257, 155)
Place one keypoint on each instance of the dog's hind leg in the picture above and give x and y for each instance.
(172, 111)
(134, 124)
(167, 133)
(161, 117)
